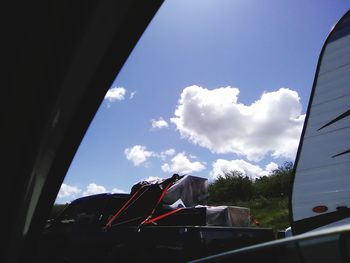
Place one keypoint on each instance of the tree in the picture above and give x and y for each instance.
(230, 188)
(277, 184)
(233, 186)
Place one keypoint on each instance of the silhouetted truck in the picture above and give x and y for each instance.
(158, 221)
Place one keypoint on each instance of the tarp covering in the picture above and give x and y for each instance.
(191, 190)
(228, 216)
(176, 200)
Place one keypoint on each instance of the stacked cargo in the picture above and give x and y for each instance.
(179, 200)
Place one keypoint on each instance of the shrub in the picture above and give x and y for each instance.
(233, 186)
(230, 188)
(277, 184)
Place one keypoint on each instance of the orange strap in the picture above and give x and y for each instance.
(123, 207)
(149, 221)
(159, 200)
(161, 197)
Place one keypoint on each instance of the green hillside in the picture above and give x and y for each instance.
(269, 212)
(267, 196)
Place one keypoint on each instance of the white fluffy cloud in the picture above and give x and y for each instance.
(114, 94)
(271, 167)
(152, 179)
(164, 154)
(68, 190)
(214, 119)
(72, 191)
(137, 154)
(182, 165)
(93, 189)
(159, 124)
(221, 166)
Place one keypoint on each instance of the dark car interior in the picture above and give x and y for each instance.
(60, 58)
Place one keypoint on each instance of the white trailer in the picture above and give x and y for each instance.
(321, 187)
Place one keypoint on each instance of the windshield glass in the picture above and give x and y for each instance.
(215, 90)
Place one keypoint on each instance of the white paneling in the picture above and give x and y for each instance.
(320, 178)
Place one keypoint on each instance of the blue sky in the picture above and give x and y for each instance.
(211, 86)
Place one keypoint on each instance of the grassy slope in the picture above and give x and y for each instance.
(272, 213)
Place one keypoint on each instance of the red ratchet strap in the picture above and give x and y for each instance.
(159, 200)
(123, 207)
(150, 221)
